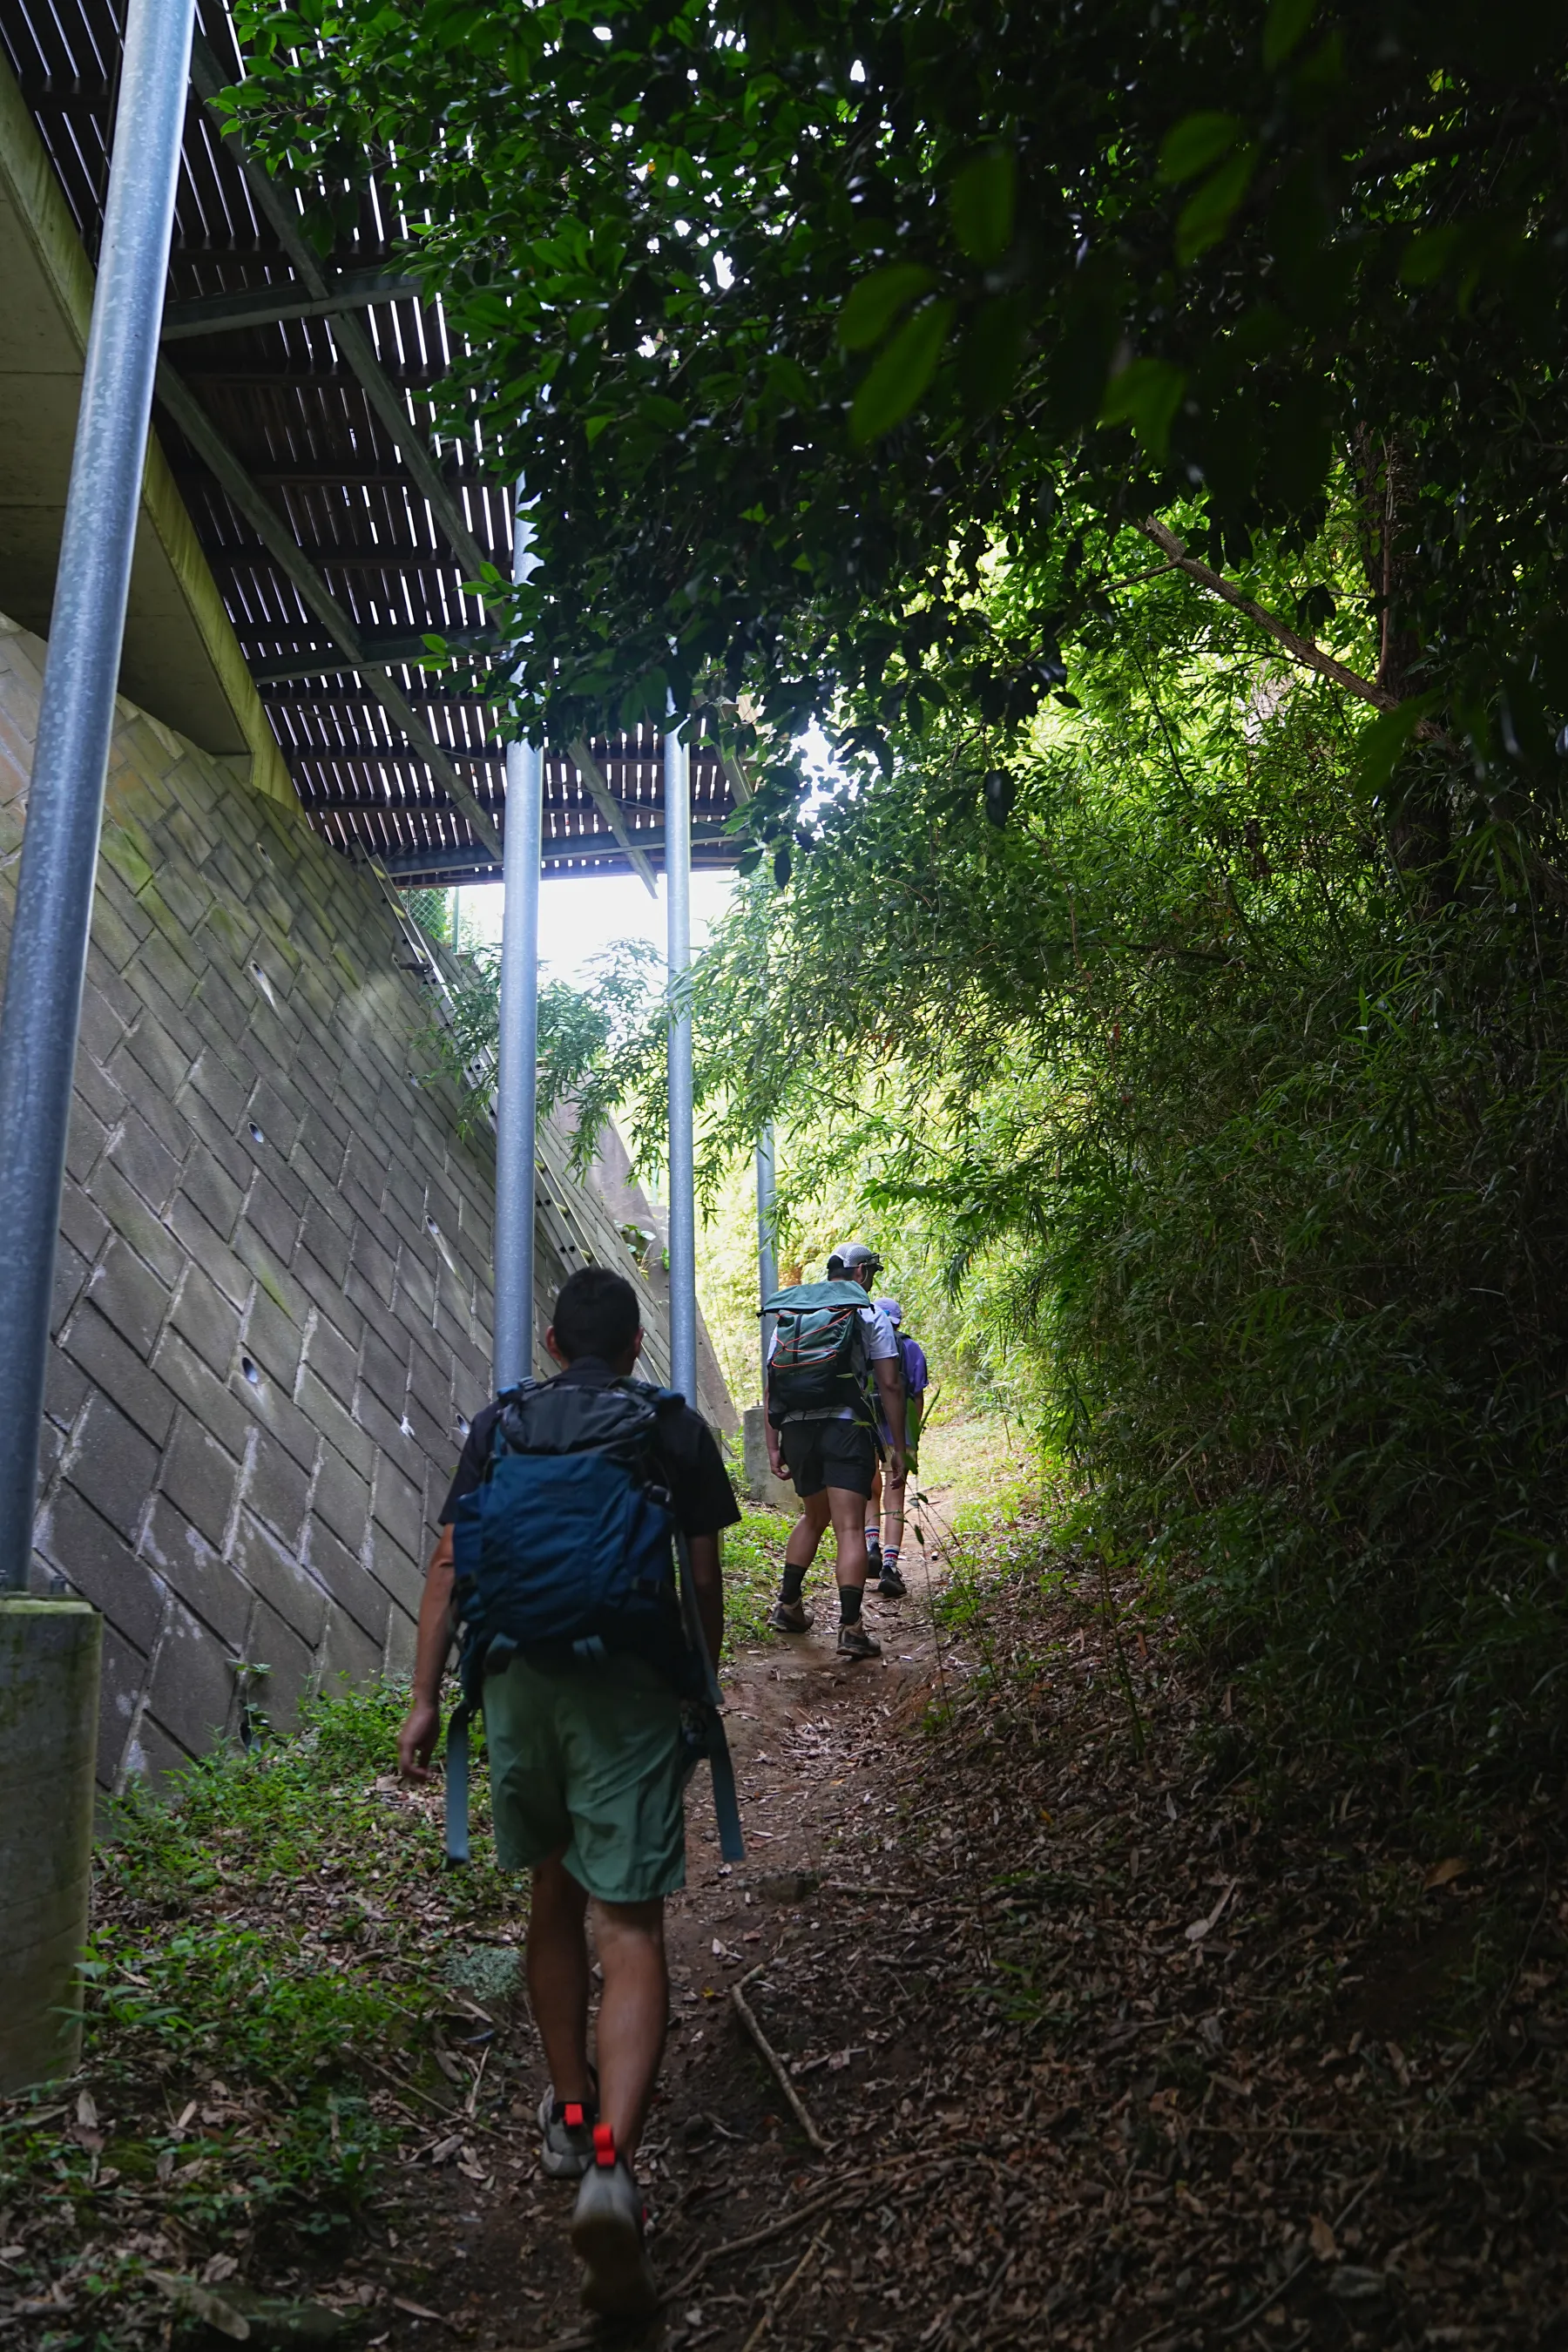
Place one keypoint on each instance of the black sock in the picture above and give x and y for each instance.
(849, 1604)
(793, 1579)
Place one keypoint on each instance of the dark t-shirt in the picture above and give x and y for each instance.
(704, 1499)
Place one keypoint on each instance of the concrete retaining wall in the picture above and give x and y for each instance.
(273, 1303)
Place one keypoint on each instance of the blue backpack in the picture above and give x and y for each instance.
(565, 1554)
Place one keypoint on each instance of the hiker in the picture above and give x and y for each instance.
(885, 1512)
(823, 1429)
(590, 1744)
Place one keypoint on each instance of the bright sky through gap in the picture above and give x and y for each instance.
(578, 919)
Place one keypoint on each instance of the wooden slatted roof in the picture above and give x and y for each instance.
(323, 416)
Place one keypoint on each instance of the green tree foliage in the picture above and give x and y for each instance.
(1135, 431)
(1249, 1167)
(598, 1045)
(793, 316)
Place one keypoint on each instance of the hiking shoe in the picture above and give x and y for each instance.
(891, 1585)
(854, 1642)
(566, 2135)
(873, 1556)
(790, 1617)
(607, 2236)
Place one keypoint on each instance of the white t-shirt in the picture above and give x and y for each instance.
(880, 1341)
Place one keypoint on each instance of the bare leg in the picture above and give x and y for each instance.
(808, 1530)
(558, 1976)
(848, 1515)
(874, 1505)
(632, 2013)
(893, 1510)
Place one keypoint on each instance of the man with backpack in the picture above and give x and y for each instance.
(833, 1363)
(885, 1511)
(555, 1547)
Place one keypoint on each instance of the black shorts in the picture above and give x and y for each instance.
(830, 1454)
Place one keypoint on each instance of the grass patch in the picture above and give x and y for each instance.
(266, 2027)
(754, 1557)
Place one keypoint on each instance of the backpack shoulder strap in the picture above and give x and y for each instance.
(726, 1807)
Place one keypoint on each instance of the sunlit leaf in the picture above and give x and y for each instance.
(1196, 143)
(902, 374)
(1146, 394)
(871, 306)
(1283, 28)
(982, 202)
(998, 796)
(1206, 216)
(1428, 254)
(1381, 745)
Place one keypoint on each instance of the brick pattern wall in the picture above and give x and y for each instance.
(272, 1307)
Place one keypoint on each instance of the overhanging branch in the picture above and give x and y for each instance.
(1301, 649)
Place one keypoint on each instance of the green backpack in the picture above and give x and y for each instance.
(819, 1362)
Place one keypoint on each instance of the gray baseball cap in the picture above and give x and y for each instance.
(890, 1308)
(852, 1257)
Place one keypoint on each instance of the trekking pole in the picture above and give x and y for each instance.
(716, 1748)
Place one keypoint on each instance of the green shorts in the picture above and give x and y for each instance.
(592, 1761)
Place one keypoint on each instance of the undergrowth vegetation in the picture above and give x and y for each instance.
(1215, 1148)
(268, 1997)
(1244, 1153)
(285, 1997)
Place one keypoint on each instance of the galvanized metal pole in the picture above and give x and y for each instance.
(767, 1251)
(682, 1169)
(516, 1059)
(64, 806)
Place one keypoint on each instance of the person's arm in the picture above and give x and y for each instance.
(890, 1388)
(421, 1726)
(776, 1461)
(707, 1584)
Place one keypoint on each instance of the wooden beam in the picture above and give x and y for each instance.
(265, 306)
(321, 662)
(737, 778)
(283, 214)
(270, 526)
(609, 809)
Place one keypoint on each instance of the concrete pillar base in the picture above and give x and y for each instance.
(49, 1653)
(761, 1487)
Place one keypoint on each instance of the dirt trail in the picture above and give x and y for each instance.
(1121, 2035)
(824, 1786)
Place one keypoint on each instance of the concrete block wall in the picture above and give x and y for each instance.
(272, 1306)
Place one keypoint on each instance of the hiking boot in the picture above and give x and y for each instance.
(790, 1617)
(873, 1556)
(566, 2135)
(890, 1584)
(854, 1642)
(607, 2236)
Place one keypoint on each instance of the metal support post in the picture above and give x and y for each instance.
(49, 1653)
(517, 1058)
(64, 806)
(49, 1649)
(682, 1169)
(767, 1250)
